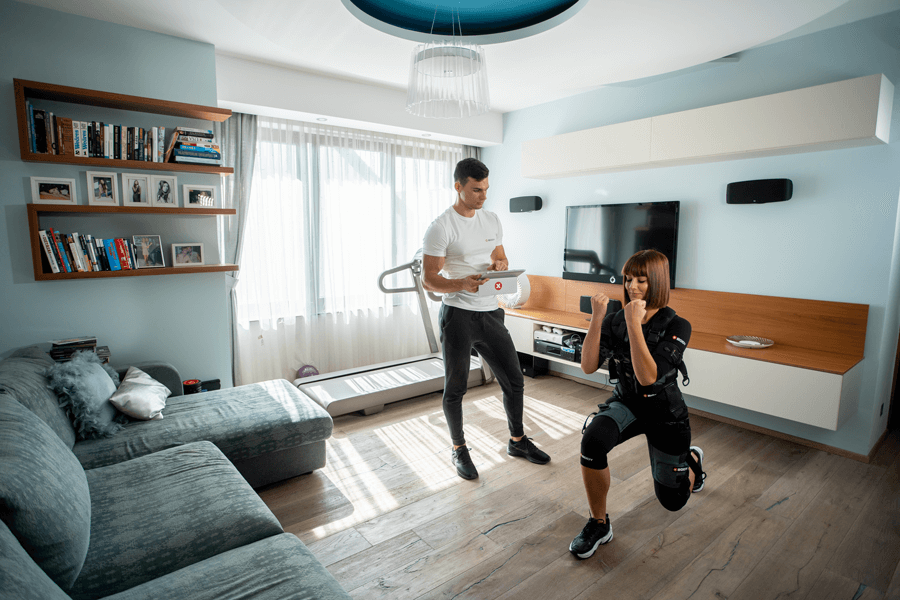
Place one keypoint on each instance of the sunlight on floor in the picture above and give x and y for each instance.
(421, 445)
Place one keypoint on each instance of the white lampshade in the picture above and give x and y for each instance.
(448, 80)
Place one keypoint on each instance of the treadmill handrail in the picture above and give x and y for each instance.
(387, 290)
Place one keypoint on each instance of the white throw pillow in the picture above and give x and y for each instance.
(140, 396)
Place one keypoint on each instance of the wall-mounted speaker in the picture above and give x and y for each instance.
(759, 191)
(525, 204)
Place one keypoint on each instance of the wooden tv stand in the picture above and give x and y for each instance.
(811, 375)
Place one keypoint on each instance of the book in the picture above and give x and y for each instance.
(195, 145)
(51, 134)
(89, 243)
(74, 253)
(82, 133)
(48, 251)
(122, 253)
(202, 133)
(53, 247)
(66, 136)
(112, 254)
(190, 139)
(100, 249)
(161, 144)
(40, 131)
(64, 258)
(85, 257)
(197, 153)
(30, 109)
(172, 142)
(80, 340)
(197, 161)
(154, 132)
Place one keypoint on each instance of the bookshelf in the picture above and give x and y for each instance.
(42, 271)
(59, 93)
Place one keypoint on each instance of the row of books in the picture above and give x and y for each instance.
(63, 350)
(197, 146)
(75, 253)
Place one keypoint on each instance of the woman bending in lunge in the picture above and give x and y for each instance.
(644, 343)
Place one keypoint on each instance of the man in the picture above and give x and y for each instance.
(461, 245)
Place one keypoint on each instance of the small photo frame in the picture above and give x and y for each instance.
(187, 254)
(135, 189)
(164, 190)
(148, 251)
(199, 196)
(103, 188)
(53, 190)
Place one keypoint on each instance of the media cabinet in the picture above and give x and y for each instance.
(811, 375)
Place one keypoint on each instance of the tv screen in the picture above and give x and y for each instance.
(600, 238)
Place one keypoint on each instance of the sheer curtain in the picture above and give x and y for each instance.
(330, 209)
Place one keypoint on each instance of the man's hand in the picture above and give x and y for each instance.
(499, 265)
(636, 310)
(472, 283)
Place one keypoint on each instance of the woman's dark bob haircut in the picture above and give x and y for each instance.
(655, 267)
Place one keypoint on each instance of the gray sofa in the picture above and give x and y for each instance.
(169, 517)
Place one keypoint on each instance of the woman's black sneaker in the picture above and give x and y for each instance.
(594, 533)
(525, 448)
(465, 468)
(697, 468)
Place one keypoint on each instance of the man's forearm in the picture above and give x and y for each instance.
(442, 285)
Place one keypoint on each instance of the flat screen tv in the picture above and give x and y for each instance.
(600, 238)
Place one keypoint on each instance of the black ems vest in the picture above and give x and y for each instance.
(620, 369)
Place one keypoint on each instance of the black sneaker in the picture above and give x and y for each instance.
(526, 449)
(465, 468)
(697, 468)
(594, 533)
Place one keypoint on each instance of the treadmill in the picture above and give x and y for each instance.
(368, 389)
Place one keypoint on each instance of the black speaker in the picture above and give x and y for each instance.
(759, 191)
(533, 366)
(525, 204)
(613, 307)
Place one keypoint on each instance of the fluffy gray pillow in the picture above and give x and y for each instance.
(83, 386)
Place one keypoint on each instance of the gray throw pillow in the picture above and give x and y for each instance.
(44, 496)
(84, 386)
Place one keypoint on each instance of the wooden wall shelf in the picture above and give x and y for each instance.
(60, 93)
(42, 270)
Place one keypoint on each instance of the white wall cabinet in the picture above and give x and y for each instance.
(844, 114)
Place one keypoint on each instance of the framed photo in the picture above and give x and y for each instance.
(164, 190)
(188, 254)
(135, 189)
(148, 251)
(199, 196)
(53, 190)
(103, 188)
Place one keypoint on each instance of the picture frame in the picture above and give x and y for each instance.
(54, 190)
(164, 190)
(187, 254)
(199, 196)
(102, 188)
(135, 189)
(148, 251)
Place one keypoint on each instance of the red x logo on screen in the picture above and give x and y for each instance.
(498, 286)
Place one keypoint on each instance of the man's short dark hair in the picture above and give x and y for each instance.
(470, 167)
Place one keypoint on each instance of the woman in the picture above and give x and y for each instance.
(644, 342)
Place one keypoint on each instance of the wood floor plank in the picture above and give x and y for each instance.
(339, 546)
(870, 552)
(429, 570)
(798, 557)
(372, 562)
(831, 586)
(792, 493)
(893, 591)
(510, 566)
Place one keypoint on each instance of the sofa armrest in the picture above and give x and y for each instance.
(164, 373)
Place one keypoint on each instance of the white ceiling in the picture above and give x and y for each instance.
(606, 42)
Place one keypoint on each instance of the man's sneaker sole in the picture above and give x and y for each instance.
(699, 487)
(605, 539)
(468, 477)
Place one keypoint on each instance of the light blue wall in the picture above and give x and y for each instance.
(179, 318)
(835, 240)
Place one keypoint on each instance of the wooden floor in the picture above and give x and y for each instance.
(389, 517)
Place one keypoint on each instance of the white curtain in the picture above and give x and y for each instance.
(330, 209)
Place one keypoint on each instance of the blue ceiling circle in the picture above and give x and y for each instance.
(480, 21)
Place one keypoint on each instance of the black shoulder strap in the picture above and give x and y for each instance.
(660, 321)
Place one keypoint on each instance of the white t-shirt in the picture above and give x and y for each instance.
(465, 244)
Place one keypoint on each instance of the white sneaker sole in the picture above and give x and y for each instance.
(700, 462)
(605, 539)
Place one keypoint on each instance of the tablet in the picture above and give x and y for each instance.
(502, 274)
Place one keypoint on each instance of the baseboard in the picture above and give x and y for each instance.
(863, 458)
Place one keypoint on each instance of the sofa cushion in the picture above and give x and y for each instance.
(271, 569)
(20, 577)
(140, 396)
(22, 375)
(83, 386)
(165, 511)
(44, 498)
(244, 422)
